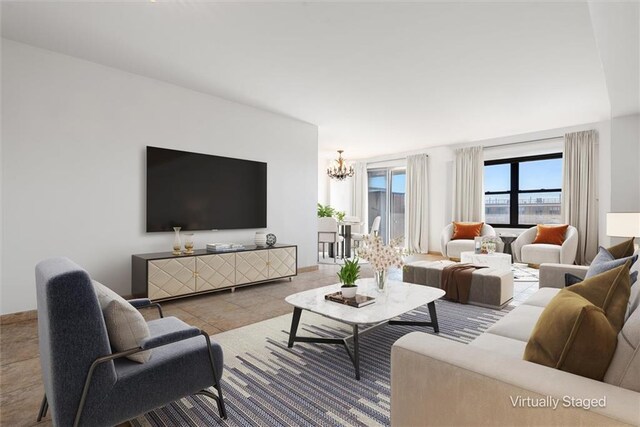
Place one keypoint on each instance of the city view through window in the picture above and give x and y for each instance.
(536, 191)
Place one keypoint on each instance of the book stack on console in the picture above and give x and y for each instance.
(221, 247)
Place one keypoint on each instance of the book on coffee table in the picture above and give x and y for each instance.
(357, 301)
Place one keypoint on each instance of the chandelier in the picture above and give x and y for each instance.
(339, 170)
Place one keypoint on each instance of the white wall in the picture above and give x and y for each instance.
(625, 152)
(73, 166)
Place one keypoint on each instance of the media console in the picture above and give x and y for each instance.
(161, 276)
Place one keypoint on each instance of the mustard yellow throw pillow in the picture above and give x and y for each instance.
(622, 250)
(573, 335)
(609, 291)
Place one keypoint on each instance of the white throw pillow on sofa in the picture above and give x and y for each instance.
(125, 325)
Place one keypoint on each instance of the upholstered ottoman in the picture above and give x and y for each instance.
(489, 287)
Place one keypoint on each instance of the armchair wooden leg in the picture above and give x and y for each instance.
(43, 408)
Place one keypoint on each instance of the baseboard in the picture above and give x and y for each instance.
(21, 316)
(308, 269)
(434, 253)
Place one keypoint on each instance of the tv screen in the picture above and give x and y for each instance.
(203, 192)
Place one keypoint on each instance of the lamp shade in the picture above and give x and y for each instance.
(625, 224)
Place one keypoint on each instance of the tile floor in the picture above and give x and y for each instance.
(20, 381)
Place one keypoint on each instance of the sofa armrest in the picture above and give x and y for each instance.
(552, 275)
(525, 238)
(436, 381)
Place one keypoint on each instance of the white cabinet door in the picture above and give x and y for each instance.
(251, 266)
(171, 277)
(215, 271)
(282, 262)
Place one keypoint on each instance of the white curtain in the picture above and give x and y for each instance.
(417, 204)
(360, 193)
(468, 192)
(579, 204)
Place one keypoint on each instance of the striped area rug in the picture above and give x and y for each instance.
(267, 384)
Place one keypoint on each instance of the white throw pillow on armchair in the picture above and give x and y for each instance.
(125, 325)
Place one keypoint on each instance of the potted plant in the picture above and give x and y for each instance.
(348, 274)
(325, 211)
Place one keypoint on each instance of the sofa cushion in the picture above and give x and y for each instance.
(609, 291)
(573, 335)
(456, 247)
(518, 324)
(542, 297)
(624, 370)
(125, 325)
(466, 230)
(540, 252)
(503, 345)
(550, 234)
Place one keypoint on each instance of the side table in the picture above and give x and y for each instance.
(508, 239)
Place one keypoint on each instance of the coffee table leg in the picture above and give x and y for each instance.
(295, 321)
(356, 352)
(434, 317)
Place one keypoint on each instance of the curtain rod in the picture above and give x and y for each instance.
(488, 147)
(393, 160)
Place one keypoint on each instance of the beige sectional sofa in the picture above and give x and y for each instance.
(436, 381)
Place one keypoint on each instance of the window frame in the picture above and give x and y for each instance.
(514, 190)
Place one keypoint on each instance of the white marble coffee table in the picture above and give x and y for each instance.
(496, 260)
(397, 299)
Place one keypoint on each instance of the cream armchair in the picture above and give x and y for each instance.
(524, 250)
(453, 248)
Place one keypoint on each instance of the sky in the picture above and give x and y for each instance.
(534, 175)
(398, 182)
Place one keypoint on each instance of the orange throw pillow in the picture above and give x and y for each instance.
(551, 234)
(466, 230)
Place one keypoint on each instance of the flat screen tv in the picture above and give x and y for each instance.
(204, 192)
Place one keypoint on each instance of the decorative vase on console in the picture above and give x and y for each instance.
(261, 238)
(188, 243)
(177, 246)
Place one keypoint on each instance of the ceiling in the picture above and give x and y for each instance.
(376, 78)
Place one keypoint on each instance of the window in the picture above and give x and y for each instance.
(523, 191)
(387, 200)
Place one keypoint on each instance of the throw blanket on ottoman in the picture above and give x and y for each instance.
(456, 281)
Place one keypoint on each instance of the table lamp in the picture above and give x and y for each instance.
(623, 224)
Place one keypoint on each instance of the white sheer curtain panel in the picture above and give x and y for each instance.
(360, 194)
(468, 187)
(579, 185)
(417, 204)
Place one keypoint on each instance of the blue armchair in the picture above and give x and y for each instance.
(86, 383)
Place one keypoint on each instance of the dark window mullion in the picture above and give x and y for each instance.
(513, 199)
(542, 190)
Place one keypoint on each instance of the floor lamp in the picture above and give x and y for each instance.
(623, 224)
